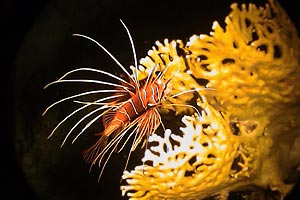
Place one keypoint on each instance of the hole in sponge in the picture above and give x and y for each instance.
(277, 52)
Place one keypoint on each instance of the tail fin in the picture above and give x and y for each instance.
(90, 155)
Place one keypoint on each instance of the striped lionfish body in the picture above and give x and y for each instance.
(140, 110)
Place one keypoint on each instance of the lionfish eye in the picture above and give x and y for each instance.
(159, 81)
(150, 105)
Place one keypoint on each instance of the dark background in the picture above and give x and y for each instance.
(37, 48)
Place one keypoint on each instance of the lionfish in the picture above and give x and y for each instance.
(132, 110)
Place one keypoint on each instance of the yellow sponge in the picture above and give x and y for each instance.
(248, 133)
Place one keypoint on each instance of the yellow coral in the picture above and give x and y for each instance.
(182, 170)
(248, 132)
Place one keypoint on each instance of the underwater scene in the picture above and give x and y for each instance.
(159, 100)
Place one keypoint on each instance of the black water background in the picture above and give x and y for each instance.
(148, 21)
